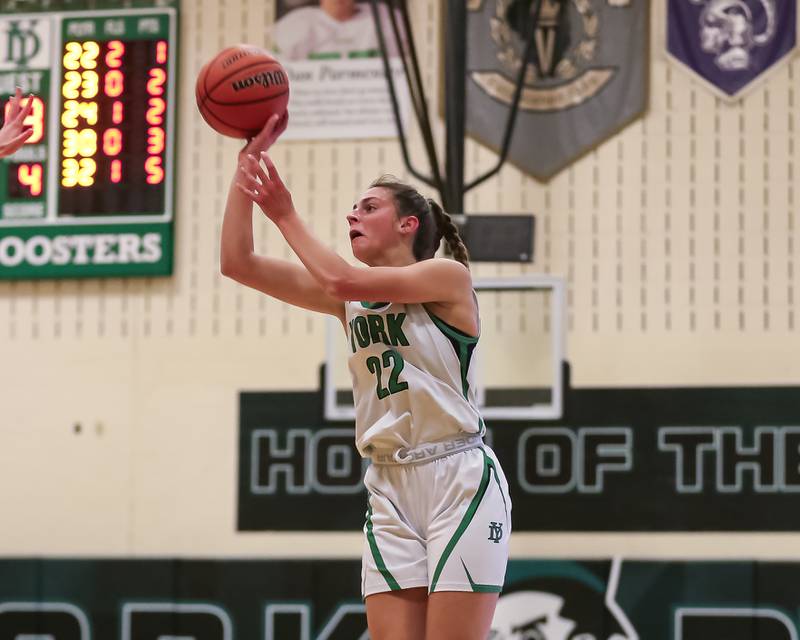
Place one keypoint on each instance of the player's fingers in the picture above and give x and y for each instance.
(21, 138)
(246, 167)
(13, 106)
(261, 178)
(266, 132)
(16, 142)
(247, 182)
(283, 122)
(272, 171)
(250, 193)
(18, 118)
(26, 110)
(253, 167)
(247, 178)
(244, 190)
(265, 179)
(245, 148)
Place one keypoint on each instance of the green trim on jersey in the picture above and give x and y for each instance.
(463, 345)
(465, 522)
(376, 554)
(481, 588)
(449, 330)
(373, 305)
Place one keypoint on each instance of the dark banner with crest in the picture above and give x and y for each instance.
(586, 77)
(731, 44)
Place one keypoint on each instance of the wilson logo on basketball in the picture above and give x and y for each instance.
(264, 78)
(236, 56)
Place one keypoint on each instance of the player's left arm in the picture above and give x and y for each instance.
(435, 280)
(14, 132)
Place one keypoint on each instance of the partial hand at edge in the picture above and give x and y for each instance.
(14, 132)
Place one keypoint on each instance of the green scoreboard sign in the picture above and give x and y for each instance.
(91, 192)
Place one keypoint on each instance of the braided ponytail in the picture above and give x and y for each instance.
(448, 231)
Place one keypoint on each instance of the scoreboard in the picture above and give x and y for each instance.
(91, 192)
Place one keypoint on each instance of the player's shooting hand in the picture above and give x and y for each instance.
(265, 138)
(265, 187)
(14, 132)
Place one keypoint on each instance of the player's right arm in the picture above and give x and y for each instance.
(280, 279)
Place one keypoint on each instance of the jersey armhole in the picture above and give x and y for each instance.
(450, 331)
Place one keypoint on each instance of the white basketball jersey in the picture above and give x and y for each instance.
(413, 376)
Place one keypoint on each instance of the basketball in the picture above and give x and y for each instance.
(239, 89)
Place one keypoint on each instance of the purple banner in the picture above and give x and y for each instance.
(730, 43)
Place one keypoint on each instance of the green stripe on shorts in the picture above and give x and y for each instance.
(376, 554)
(481, 588)
(465, 522)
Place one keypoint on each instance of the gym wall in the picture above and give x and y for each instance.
(678, 238)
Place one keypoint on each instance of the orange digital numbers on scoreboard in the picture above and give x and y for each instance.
(155, 85)
(35, 120)
(155, 111)
(161, 52)
(117, 112)
(152, 166)
(114, 56)
(30, 175)
(116, 171)
(114, 83)
(156, 136)
(112, 142)
(155, 140)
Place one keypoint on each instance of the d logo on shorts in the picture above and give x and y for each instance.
(495, 532)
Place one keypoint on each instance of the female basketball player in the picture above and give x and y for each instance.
(14, 132)
(438, 513)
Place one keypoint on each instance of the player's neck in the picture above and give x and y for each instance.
(396, 257)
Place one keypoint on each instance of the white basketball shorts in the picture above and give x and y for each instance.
(442, 524)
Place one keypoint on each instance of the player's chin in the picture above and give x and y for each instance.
(358, 254)
(360, 251)
(358, 247)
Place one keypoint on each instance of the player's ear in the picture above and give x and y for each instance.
(409, 224)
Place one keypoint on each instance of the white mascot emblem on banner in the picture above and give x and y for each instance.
(537, 615)
(727, 31)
